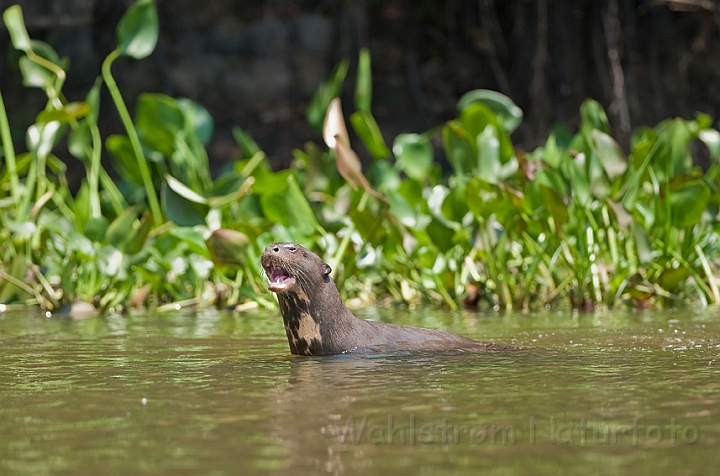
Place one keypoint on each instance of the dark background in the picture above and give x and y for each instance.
(257, 63)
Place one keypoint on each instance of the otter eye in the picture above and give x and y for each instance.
(291, 248)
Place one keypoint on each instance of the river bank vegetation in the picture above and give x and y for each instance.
(576, 221)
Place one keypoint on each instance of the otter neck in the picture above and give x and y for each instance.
(308, 322)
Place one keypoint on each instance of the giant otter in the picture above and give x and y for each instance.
(318, 323)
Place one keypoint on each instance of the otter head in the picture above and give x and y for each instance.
(304, 289)
(292, 268)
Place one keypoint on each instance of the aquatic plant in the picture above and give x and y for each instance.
(574, 221)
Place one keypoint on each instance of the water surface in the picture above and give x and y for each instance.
(218, 393)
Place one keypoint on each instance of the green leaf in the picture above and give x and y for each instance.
(80, 140)
(505, 109)
(69, 112)
(193, 238)
(363, 82)
(611, 156)
(367, 129)
(460, 148)
(670, 278)
(554, 204)
(137, 32)
(476, 117)
(300, 215)
(41, 138)
(120, 231)
(95, 228)
(197, 117)
(120, 147)
(688, 202)
(593, 115)
(159, 120)
(489, 166)
(245, 141)
(483, 197)
(326, 92)
(34, 75)
(180, 210)
(15, 24)
(414, 155)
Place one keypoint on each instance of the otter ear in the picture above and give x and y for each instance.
(326, 271)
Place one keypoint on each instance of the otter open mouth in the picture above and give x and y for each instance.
(279, 279)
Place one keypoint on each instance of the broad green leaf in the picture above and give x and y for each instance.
(180, 210)
(688, 202)
(197, 117)
(489, 167)
(414, 155)
(120, 147)
(554, 204)
(325, 93)
(367, 129)
(271, 183)
(460, 148)
(121, 231)
(611, 156)
(137, 32)
(593, 115)
(300, 215)
(551, 152)
(507, 111)
(159, 120)
(368, 225)
(15, 24)
(95, 228)
(455, 206)
(34, 75)
(483, 197)
(476, 117)
(80, 140)
(274, 207)
(193, 238)
(363, 83)
(402, 209)
(440, 234)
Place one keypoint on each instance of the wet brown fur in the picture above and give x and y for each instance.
(334, 329)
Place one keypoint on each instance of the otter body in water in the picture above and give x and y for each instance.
(318, 323)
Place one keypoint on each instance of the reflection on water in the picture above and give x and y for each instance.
(218, 393)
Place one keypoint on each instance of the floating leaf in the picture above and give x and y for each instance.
(137, 32)
(507, 111)
(414, 155)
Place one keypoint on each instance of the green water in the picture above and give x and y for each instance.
(217, 393)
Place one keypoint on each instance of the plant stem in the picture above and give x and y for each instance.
(9, 152)
(132, 135)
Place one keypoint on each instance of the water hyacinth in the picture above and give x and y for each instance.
(574, 222)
